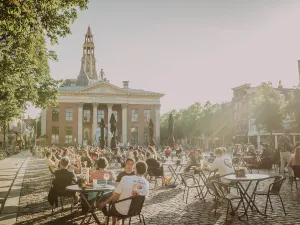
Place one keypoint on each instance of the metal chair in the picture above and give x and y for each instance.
(156, 173)
(175, 175)
(296, 175)
(187, 186)
(135, 209)
(219, 190)
(273, 190)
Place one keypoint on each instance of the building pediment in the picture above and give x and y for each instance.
(102, 87)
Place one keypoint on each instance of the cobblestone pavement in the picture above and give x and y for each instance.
(164, 206)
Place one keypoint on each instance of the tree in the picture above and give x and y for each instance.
(293, 106)
(24, 71)
(268, 108)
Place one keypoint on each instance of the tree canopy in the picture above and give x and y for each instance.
(24, 70)
(268, 108)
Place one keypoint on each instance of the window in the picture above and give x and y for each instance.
(134, 115)
(69, 135)
(134, 136)
(55, 135)
(236, 105)
(147, 115)
(55, 114)
(115, 112)
(100, 115)
(146, 136)
(69, 114)
(86, 115)
(237, 127)
(245, 126)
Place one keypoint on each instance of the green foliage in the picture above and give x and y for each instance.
(268, 108)
(197, 120)
(293, 106)
(24, 71)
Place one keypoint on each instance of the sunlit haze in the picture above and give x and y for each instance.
(189, 50)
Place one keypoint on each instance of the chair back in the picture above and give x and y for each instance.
(136, 205)
(296, 170)
(276, 185)
(154, 171)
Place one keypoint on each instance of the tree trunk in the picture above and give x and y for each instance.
(4, 135)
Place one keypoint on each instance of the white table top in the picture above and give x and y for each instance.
(90, 189)
(248, 177)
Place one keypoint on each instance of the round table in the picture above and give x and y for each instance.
(244, 191)
(99, 190)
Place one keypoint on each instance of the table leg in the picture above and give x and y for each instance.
(249, 199)
(90, 210)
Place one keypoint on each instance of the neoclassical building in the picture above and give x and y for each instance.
(84, 101)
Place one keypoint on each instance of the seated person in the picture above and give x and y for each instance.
(52, 165)
(222, 164)
(153, 165)
(64, 178)
(195, 158)
(129, 186)
(98, 174)
(86, 158)
(129, 164)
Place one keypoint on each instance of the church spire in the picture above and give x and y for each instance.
(88, 61)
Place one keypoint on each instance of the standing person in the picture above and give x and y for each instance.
(128, 187)
(129, 164)
(285, 146)
(129, 153)
(295, 160)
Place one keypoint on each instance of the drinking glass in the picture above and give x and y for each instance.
(106, 177)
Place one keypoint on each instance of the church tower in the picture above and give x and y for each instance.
(88, 61)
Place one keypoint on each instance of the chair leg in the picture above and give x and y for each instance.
(129, 220)
(216, 205)
(140, 218)
(107, 220)
(266, 205)
(292, 180)
(143, 219)
(187, 196)
(270, 202)
(282, 204)
(183, 193)
(62, 205)
(227, 210)
(245, 207)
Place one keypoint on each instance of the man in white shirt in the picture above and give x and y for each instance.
(223, 164)
(129, 186)
(129, 153)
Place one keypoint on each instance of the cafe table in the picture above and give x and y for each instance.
(99, 190)
(244, 192)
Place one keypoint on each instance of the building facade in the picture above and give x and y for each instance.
(84, 101)
(245, 130)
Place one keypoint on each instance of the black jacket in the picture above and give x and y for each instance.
(63, 178)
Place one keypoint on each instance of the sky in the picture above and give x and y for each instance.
(190, 50)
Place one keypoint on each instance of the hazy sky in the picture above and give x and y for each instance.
(190, 50)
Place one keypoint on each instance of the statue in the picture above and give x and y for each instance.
(113, 128)
(102, 74)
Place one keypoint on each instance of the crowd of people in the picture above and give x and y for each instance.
(66, 164)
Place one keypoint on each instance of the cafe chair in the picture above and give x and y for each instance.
(273, 190)
(220, 193)
(175, 175)
(188, 186)
(296, 175)
(155, 173)
(135, 209)
(61, 200)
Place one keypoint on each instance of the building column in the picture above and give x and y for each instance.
(294, 140)
(43, 122)
(276, 142)
(95, 121)
(258, 142)
(157, 124)
(80, 115)
(109, 112)
(124, 124)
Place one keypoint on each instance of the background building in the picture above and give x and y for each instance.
(84, 101)
(245, 129)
